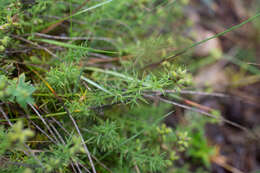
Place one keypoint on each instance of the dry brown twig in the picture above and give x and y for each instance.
(201, 112)
(36, 45)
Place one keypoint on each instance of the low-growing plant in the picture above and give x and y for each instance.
(75, 74)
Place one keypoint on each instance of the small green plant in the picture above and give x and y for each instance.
(15, 137)
(199, 150)
(16, 90)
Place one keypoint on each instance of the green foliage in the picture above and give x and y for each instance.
(14, 138)
(16, 90)
(59, 156)
(199, 149)
(122, 129)
(63, 78)
(107, 136)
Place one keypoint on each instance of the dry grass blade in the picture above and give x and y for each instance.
(222, 161)
(95, 84)
(5, 116)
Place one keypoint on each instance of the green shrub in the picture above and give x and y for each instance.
(91, 116)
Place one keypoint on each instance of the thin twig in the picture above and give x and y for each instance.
(44, 122)
(64, 143)
(57, 133)
(193, 93)
(23, 164)
(73, 38)
(81, 137)
(137, 168)
(102, 164)
(103, 57)
(252, 63)
(5, 116)
(60, 125)
(84, 167)
(201, 112)
(181, 52)
(42, 131)
(34, 44)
